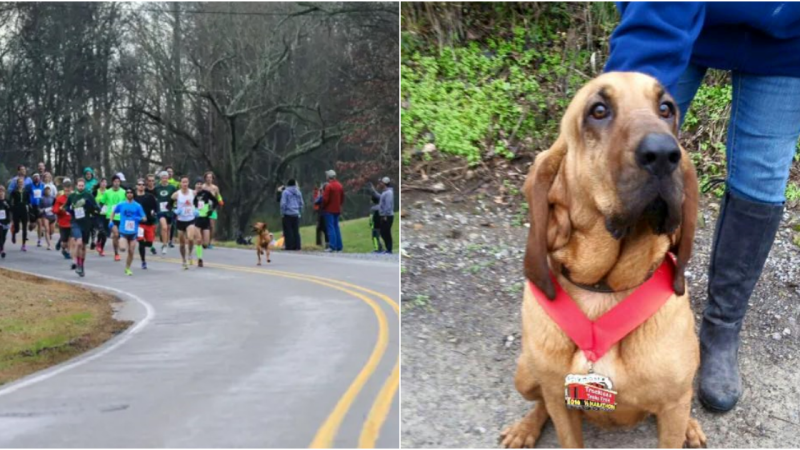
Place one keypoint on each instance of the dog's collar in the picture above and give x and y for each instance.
(602, 286)
(596, 337)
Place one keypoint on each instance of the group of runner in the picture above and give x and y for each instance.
(88, 211)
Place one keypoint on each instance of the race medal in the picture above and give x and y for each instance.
(80, 213)
(590, 392)
(129, 225)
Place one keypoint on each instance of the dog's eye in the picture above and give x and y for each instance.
(665, 110)
(599, 111)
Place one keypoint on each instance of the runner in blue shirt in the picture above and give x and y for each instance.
(36, 192)
(130, 214)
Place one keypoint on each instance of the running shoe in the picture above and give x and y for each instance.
(58, 245)
(92, 246)
(39, 243)
(153, 250)
(171, 245)
(191, 262)
(210, 246)
(48, 248)
(2, 255)
(185, 266)
(328, 250)
(81, 272)
(74, 266)
(101, 252)
(13, 238)
(128, 272)
(23, 248)
(163, 250)
(199, 263)
(144, 266)
(66, 254)
(116, 258)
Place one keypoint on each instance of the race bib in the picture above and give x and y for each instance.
(129, 226)
(163, 206)
(104, 209)
(2, 214)
(37, 193)
(188, 211)
(141, 233)
(80, 213)
(201, 205)
(48, 211)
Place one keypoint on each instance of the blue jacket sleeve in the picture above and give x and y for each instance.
(656, 38)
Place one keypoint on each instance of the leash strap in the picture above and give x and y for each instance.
(596, 338)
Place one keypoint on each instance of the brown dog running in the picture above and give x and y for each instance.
(608, 201)
(263, 239)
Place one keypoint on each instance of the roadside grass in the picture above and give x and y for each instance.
(356, 237)
(46, 322)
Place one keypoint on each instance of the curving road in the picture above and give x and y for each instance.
(302, 352)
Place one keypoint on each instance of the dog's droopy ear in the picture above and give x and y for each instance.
(683, 247)
(537, 186)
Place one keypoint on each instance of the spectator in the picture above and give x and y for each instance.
(386, 211)
(759, 43)
(291, 209)
(332, 201)
(321, 231)
(40, 169)
(375, 220)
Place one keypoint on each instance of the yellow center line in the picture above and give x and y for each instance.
(374, 421)
(380, 409)
(382, 404)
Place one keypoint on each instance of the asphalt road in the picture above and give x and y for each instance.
(301, 352)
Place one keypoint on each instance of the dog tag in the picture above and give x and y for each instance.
(591, 392)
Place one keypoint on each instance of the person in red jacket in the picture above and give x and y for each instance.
(332, 201)
(64, 220)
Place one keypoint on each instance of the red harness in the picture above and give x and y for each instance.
(595, 338)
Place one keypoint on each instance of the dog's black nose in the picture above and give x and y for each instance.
(658, 153)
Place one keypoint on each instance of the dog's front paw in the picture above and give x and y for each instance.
(522, 434)
(695, 438)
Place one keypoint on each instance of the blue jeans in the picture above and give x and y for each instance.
(334, 235)
(762, 132)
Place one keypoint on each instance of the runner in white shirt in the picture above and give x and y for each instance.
(185, 213)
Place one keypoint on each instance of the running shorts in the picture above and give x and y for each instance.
(204, 223)
(147, 233)
(182, 226)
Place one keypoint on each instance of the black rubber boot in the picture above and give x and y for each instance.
(744, 235)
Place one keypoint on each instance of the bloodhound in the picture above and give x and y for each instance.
(263, 239)
(608, 201)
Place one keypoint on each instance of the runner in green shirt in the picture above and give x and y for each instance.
(111, 198)
(206, 203)
(82, 207)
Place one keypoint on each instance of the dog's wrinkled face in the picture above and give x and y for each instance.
(625, 154)
(259, 227)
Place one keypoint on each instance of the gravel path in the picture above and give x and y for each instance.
(461, 291)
